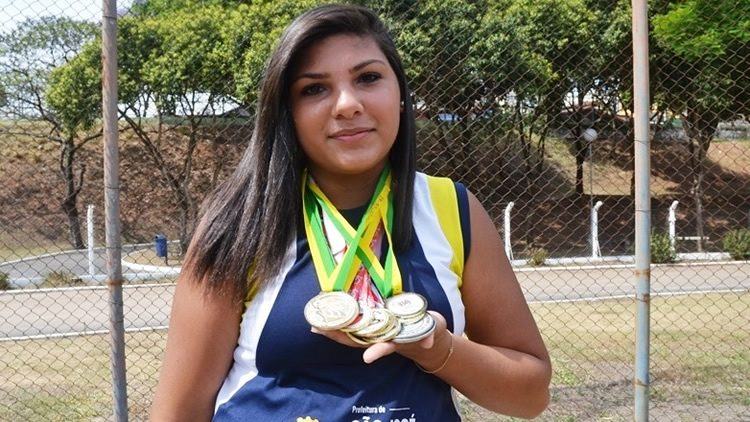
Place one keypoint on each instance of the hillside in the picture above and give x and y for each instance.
(547, 212)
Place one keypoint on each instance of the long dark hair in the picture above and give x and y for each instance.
(249, 221)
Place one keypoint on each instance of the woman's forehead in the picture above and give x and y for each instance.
(339, 52)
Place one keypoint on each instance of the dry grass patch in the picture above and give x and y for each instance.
(700, 358)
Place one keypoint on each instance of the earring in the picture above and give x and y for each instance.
(402, 105)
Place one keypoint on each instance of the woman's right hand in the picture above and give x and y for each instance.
(428, 352)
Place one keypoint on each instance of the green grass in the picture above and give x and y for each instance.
(69, 379)
(739, 140)
(563, 374)
(61, 279)
(17, 245)
(4, 281)
(147, 256)
(12, 253)
(700, 358)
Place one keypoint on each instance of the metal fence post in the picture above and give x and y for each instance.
(506, 227)
(642, 207)
(90, 237)
(596, 251)
(112, 208)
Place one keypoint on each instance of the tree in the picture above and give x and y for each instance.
(435, 40)
(614, 87)
(701, 74)
(540, 52)
(29, 54)
(180, 65)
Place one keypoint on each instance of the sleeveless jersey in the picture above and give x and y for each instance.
(283, 372)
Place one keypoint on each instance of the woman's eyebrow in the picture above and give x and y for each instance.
(365, 63)
(356, 68)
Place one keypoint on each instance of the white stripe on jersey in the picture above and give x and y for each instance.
(253, 320)
(437, 250)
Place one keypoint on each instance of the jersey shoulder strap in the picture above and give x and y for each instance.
(445, 202)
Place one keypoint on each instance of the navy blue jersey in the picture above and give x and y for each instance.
(283, 372)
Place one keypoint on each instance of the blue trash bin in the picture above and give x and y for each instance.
(160, 243)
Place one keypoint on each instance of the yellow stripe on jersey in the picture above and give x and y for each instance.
(445, 204)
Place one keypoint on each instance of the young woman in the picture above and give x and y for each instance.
(331, 162)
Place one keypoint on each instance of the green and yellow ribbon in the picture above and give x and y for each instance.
(339, 277)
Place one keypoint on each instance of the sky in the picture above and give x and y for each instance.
(14, 11)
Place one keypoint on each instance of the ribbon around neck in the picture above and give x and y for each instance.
(339, 277)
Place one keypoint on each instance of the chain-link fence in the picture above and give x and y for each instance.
(528, 102)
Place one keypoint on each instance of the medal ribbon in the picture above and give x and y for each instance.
(339, 277)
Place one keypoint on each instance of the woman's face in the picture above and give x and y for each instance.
(345, 103)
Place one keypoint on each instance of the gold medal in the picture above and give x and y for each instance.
(406, 305)
(365, 317)
(404, 320)
(386, 326)
(331, 310)
(358, 340)
(411, 333)
(412, 319)
(382, 320)
(388, 335)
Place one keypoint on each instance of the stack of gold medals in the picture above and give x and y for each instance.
(348, 300)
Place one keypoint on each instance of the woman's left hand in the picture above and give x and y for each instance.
(430, 349)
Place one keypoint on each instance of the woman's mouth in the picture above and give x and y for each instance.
(351, 135)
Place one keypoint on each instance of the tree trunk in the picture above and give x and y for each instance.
(187, 218)
(696, 165)
(183, 228)
(541, 150)
(579, 146)
(69, 203)
(74, 226)
(525, 149)
(698, 197)
(580, 150)
(700, 128)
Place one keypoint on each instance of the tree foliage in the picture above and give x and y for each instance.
(31, 56)
(701, 58)
(74, 90)
(179, 64)
(705, 48)
(522, 63)
(30, 52)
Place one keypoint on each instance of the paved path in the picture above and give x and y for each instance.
(53, 312)
(591, 282)
(25, 271)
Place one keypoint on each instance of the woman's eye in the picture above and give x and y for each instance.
(312, 89)
(369, 77)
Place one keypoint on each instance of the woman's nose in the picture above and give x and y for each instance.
(347, 104)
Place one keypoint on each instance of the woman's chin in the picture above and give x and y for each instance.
(355, 165)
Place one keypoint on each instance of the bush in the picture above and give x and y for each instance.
(661, 248)
(537, 257)
(61, 279)
(737, 244)
(4, 281)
